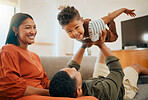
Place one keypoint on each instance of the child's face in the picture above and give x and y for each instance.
(75, 29)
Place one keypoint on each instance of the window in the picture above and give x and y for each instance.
(6, 14)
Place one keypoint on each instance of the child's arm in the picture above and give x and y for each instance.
(116, 13)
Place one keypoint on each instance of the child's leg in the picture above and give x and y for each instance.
(111, 33)
(100, 68)
(131, 78)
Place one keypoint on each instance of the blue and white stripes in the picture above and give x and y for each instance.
(95, 27)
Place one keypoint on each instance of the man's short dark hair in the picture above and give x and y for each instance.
(62, 85)
(67, 15)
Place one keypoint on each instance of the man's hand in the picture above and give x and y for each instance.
(101, 40)
(84, 45)
(130, 12)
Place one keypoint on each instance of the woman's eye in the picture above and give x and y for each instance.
(27, 27)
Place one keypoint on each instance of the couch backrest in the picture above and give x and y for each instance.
(54, 64)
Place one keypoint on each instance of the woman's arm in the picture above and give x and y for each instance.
(11, 82)
(32, 90)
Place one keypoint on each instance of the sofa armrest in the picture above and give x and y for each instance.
(38, 97)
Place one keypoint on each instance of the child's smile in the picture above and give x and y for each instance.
(75, 29)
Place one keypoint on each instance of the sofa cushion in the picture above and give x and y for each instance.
(142, 93)
(54, 64)
(38, 97)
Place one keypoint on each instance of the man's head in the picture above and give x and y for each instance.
(66, 83)
(70, 20)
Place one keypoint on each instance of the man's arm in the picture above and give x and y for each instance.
(77, 58)
(79, 55)
(105, 50)
(116, 13)
(108, 87)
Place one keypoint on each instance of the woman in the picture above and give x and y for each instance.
(21, 72)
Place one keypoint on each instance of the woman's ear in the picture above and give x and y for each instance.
(15, 30)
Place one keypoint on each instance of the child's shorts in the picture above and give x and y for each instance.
(129, 81)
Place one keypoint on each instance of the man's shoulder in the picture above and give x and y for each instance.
(95, 87)
(91, 82)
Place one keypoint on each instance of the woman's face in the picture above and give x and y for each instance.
(26, 32)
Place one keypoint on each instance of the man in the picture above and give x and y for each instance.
(68, 81)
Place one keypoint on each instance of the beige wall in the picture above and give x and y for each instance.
(45, 13)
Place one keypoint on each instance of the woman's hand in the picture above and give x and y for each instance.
(32, 90)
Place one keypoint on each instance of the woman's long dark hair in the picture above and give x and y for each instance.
(16, 21)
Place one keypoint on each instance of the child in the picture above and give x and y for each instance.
(87, 30)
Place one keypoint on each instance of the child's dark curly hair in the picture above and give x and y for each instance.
(67, 15)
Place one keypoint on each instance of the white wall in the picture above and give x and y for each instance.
(6, 14)
(45, 14)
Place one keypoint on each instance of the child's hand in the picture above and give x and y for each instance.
(130, 12)
(62, 7)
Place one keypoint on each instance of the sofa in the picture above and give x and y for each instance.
(54, 64)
